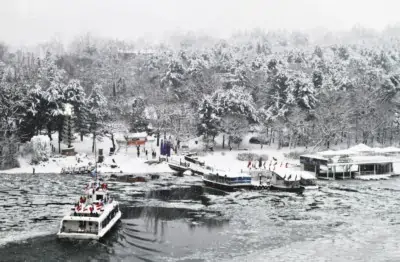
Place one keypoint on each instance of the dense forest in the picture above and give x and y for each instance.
(292, 88)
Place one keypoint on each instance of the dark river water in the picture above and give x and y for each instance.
(176, 219)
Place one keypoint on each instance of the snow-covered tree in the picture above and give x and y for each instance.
(41, 149)
(138, 121)
(98, 111)
(68, 125)
(209, 121)
(75, 95)
(48, 72)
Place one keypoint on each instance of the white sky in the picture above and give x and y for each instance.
(28, 22)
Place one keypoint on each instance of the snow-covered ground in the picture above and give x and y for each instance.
(126, 159)
(129, 163)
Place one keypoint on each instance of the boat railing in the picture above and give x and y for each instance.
(77, 214)
(228, 180)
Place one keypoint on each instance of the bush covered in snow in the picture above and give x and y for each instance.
(40, 148)
(251, 156)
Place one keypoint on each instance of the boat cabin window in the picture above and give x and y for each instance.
(75, 226)
(99, 197)
(110, 216)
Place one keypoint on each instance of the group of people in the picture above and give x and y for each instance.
(153, 152)
(260, 164)
(256, 164)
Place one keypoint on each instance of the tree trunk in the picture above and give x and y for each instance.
(365, 137)
(348, 140)
(271, 139)
(49, 132)
(59, 137)
(223, 141)
(59, 143)
(113, 141)
(279, 139)
(94, 139)
(391, 134)
(81, 136)
(356, 138)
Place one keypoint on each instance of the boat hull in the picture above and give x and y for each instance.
(194, 160)
(287, 189)
(226, 187)
(101, 234)
(78, 236)
(177, 168)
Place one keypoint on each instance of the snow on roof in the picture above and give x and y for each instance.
(360, 148)
(327, 153)
(345, 152)
(330, 153)
(358, 160)
(294, 174)
(315, 156)
(390, 149)
(137, 135)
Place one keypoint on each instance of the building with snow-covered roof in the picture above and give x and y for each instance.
(387, 151)
(347, 166)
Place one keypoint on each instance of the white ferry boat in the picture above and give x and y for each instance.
(93, 216)
(227, 181)
(285, 179)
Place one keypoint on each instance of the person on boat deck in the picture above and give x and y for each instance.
(249, 164)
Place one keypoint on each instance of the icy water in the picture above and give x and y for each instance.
(176, 219)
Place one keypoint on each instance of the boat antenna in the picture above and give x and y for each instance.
(95, 156)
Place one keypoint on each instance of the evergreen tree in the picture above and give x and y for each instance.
(75, 95)
(68, 125)
(34, 114)
(98, 111)
(54, 99)
(209, 123)
(138, 121)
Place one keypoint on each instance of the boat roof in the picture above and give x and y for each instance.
(315, 156)
(291, 174)
(229, 174)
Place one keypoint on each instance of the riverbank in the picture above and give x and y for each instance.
(126, 160)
